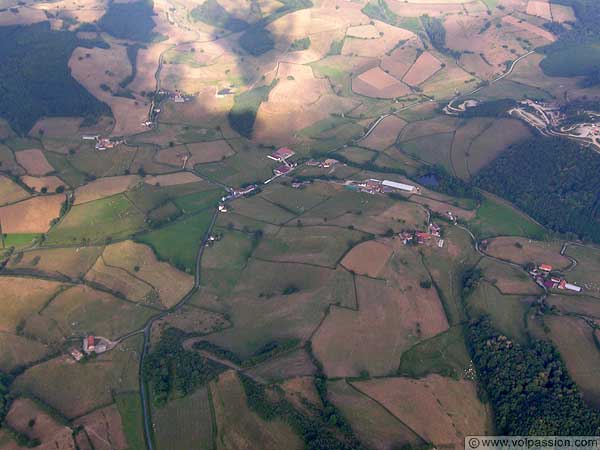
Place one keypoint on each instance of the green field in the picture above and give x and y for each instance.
(130, 409)
(193, 203)
(498, 219)
(19, 240)
(445, 354)
(507, 312)
(178, 243)
(99, 221)
(185, 423)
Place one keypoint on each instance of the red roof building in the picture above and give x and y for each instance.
(282, 170)
(282, 154)
(91, 343)
(545, 267)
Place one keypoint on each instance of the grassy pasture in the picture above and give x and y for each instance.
(90, 385)
(185, 423)
(318, 245)
(507, 279)
(373, 424)
(441, 410)
(10, 191)
(72, 262)
(507, 312)
(586, 272)
(258, 208)
(95, 222)
(290, 199)
(445, 354)
(262, 313)
(575, 341)
(521, 251)
(82, 310)
(446, 268)
(178, 242)
(494, 218)
(576, 304)
(240, 427)
(193, 203)
(17, 351)
(148, 197)
(296, 363)
(243, 167)
(394, 312)
(139, 261)
(72, 176)
(23, 298)
(433, 149)
(358, 155)
(20, 240)
(103, 164)
(130, 409)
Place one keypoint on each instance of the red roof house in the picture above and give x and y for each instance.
(282, 154)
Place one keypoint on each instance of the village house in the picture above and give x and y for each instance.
(76, 354)
(282, 170)
(281, 155)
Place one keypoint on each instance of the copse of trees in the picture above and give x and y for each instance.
(171, 371)
(528, 386)
(554, 180)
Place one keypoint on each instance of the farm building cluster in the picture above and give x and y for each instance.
(91, 344)
(433, 236)
(544, 276)
(326, 164)
(103, 143)
(282, 156)
(373, 186)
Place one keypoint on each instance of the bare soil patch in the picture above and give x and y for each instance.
(56, 127)
(10, 191)
(378, 84)
(423, 68)
(105, 187)
(385, 134)
(562, 13)
(363, 32)
(70, 262)
(34, 162)
(539, 8)
(31, 216)
(441, 410)
(51, 183)
(51, 434)
(172, 179)
(170, 283)
(104, 428)
(368, 258)
(521, 251)
(534, 29)
(196, 153)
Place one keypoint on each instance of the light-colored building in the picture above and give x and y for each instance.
(399, 186)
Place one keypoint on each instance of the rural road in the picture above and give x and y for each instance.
(495, 80)
(148, 426)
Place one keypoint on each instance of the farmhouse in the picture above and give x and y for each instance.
(76, 354)
(281, 155)
(282, 170)
(545, 267)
